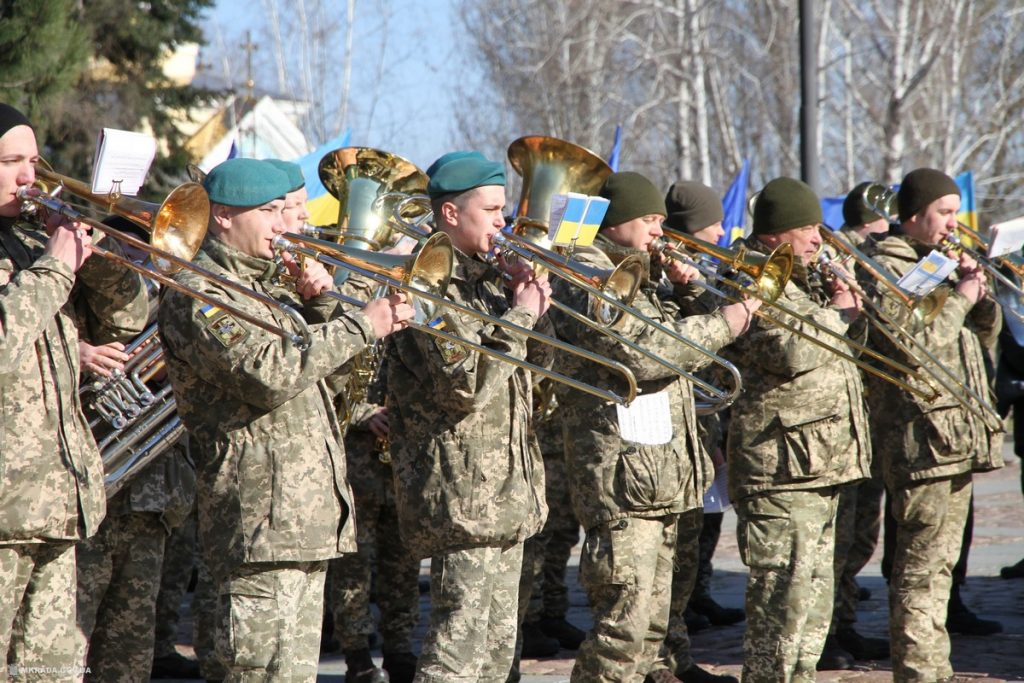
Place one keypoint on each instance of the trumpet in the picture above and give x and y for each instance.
(739, 288)
(178, 226)
(424, 276)
(1011, 288)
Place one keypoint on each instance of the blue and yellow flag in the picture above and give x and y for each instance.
(322, 205)
(734, 206)
(968, 209)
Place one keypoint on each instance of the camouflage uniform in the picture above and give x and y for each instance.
(928, 451)
(175, 575)
(274, 503)
(380, 548)
(859, 519)
(51, 475)
(469, 489)
(797, 432)
(627, 496)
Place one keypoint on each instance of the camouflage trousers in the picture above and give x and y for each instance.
(626, 569)
(37, 610)
(675, 653)
(397, 582)
(179, 560)
(118, 581)
(473, 606)
(547, 554)
(858, 523)
(710, 531)
(787, 540)
(271, 615)
(930, 519)
(208, 634)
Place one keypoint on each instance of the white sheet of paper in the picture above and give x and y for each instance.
(717, 497)
(1006, 237)
(122, 161)
(929, 273)
(647, 420)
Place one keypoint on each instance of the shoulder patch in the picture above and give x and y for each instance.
(226, 329)
(452, 352)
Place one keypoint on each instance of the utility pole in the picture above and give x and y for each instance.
(808, 96)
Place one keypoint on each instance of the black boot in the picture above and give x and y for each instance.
(661, 676)
(567, 635)
(695, 622)
(401, 666)
(960, 619)
(862, 647)
(536, 643)
(715, 613)
(360, 668)
(174, 665)
(1014, 571)
(834, 657)
(695, 674)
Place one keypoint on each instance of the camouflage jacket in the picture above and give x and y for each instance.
(464, 473)
(51, 476)
(800, 422)
(951, 440)
(265, 439)
(611, 478)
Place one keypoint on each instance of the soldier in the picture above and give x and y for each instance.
(931, 448)
(627, 494)
(861, 223)
(695, 209)
(797, 432)
(274, 503)
(468, 489)
(52, 478)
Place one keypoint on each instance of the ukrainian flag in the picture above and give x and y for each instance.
(322, 205)
(734, 206)
(968, 209)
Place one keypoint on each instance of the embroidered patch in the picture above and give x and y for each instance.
(227, 330)
(452, 352)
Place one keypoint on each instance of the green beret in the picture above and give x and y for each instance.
(921, 187)
(631, 196)
(467, 173)
(245, 182)
(692, 206)
(855, 210)
(293, 170)
(784, 204)
(451, 156)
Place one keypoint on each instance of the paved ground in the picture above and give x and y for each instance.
(998, 541)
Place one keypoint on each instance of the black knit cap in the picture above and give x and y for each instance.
(784, 204)
(692, 206)
(921, 187)
(632, 196)
(855, 210)
(11, 117)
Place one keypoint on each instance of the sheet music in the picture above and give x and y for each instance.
(575, 218)
(122, 161)
(1006, 237)
(647, 420)
(717, 497)
(928, 274)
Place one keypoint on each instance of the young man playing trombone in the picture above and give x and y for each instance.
(52, 475)
(629, 487)
(929, 449)
(469, 490)
(798, 432)
(274, 504)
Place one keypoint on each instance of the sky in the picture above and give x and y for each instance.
(406, 109)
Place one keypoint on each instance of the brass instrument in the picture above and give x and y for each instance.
(754, 289)
(424, 276)
(881, 200)
(550, 166)
(368, 184)
(132, 414)
(176, 230)
(905, 342)
(1012, 288)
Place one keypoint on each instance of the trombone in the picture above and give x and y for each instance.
(955, 243)
(903, 340)
(772, 268)
(424, 277)
(178, 226)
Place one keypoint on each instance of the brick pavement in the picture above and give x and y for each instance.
(998, 541)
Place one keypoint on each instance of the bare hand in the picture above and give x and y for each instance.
(69, 241)
(533, 292)
(378, 423)
(739, 315)
(102, 360)
(678, 272)
(973, 285)
(389, 314)
(311, 278)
